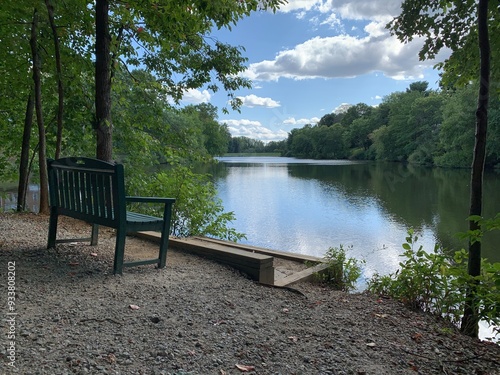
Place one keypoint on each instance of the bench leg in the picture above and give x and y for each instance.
(52, 228)
(163, 249)
(95, 235)
(119, 251)
(167, 216)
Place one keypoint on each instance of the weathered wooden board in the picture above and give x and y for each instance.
(258, 266)
(304, 275)
(276, 253)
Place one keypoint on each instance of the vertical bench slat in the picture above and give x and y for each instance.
(71, 187)
(101, 201)
(93, 194)
(88, 196)
(65, 192)
(108, 201)
(78, 194)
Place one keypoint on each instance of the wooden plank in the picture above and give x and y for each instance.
(304, 275)
(259, 267)
(276, 253)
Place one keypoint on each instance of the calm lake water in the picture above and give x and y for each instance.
(307, 206)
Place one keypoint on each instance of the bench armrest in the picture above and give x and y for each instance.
(150, 200)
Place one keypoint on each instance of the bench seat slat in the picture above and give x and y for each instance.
(135, 217)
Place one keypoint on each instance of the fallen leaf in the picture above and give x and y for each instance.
(417, 337)
(245, 368)
(134, 307)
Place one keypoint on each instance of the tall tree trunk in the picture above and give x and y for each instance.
(60, 88)
(44, 188)
(103, 124)
(22, 187)
(470, 321)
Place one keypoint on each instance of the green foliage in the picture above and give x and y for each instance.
(456, 136)
(245, 145)
(342, 273)
(197, 211)
(450, 24)
(419, 126)
(437, 283)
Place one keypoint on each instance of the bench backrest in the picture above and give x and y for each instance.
(88, 189)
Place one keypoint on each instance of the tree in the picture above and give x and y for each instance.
(103, 124)
(420, 86)
(329, 119)
(44, 192)
(354, 112)
(455, 24)
(456, 136)
(424, 121)
(174, 43)
(17, 62)
(216, 136)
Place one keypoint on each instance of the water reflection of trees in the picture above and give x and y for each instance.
(419, 197)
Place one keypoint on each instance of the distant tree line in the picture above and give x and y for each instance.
(419, 126)
(250, 145)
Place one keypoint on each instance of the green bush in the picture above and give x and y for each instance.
(197, 210)
(437, 283)
(342, 273)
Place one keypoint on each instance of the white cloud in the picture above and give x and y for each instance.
(344, 56)
(253, 129)
(193, 96)
(332, 20)
(302, 121)
(342, 108)
(348, 9)
(256, 101)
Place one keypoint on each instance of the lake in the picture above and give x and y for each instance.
(307, 206)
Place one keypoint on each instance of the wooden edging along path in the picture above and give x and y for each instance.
(256, 262)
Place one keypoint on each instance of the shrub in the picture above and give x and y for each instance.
(197, 210)
(342, 273)
(437, 283)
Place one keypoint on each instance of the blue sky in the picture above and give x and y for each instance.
(310, 58)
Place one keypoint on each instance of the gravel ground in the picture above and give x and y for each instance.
(198, 317)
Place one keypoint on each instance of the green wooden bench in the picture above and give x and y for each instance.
(94, 191)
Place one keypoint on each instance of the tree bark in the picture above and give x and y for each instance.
(22, 187)
(44, 188)
(470, 321)
(60, 88)
(103, 123)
